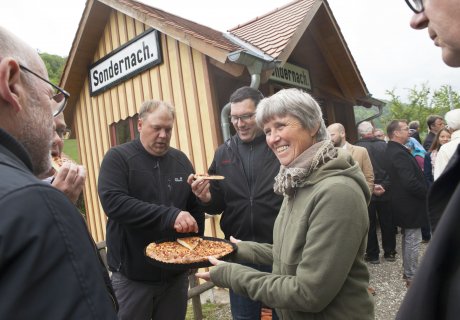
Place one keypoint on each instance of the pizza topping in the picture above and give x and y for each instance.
(190, 242)
(173, 252)
(58, 162)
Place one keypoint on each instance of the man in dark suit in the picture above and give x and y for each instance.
(434, 123)
(408, 195)
(435, 292)
(379, 208)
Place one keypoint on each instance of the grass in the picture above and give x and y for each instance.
(211, 311)
(71, 149)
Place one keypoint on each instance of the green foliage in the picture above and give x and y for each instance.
(362, 113)
(55, 65)
(422, 103)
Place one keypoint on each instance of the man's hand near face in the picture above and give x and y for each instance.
(70, 179)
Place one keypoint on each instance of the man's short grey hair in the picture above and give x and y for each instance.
(296, 103)
(150, 106)
(364, 128)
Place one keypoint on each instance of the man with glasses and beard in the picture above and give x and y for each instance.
(49, 266)
(435, 292)
(71, 177)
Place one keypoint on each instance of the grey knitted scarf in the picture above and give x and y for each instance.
(294, 174)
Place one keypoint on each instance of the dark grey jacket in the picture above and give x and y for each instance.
(49, 267)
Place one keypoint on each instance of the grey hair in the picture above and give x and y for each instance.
(150, 106)
(296, 103)
(364, 128)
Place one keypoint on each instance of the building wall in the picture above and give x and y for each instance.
(181, 79)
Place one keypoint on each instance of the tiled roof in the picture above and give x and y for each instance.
(272, 31)
(206, 34)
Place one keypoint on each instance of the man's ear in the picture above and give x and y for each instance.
(11, 86)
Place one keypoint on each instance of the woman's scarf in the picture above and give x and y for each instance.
(415, 147)
(294, 174)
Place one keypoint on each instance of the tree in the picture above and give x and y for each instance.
(55, 65)
(422, 103)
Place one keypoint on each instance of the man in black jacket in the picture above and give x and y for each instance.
(245, 197)
(435, 292)
(408, 195)
(380, 201)
(49, 267)
(144, 192)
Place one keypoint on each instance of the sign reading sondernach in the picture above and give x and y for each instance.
(292, 75)
(137, 55)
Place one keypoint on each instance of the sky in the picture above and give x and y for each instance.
(389, 54)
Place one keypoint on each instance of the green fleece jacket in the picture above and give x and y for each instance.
(320, 237)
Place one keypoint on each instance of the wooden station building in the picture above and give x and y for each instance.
(126, 52)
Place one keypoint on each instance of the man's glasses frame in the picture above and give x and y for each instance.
(60, 98)
(244, 117)
(416, 5)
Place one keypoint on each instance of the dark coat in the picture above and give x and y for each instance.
(434, 292)
(429, 140)
(142, 196)
(376, 149)
(246, 197)
(408, 187)
(49, 267)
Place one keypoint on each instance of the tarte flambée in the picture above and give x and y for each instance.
(58, 162)
(208, 177)
(174, 253)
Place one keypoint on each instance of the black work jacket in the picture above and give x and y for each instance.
(142, 195)
(246, 200)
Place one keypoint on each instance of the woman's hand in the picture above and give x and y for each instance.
(206, 275)
(234, 240)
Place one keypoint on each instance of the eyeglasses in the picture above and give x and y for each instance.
(60, 96)
(244, 117)
(416, 5)
(63, 133)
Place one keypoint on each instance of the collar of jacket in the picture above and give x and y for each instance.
(15, 148)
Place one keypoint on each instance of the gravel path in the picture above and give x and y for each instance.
(385, 278)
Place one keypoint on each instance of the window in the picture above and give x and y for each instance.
(124, 130)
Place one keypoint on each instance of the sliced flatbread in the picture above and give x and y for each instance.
(190, 242)
(58, 162)
(208, 177)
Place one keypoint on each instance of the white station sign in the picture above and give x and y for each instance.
(139, 54)
(293, 75)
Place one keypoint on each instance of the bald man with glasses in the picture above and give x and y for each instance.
(49, 267)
